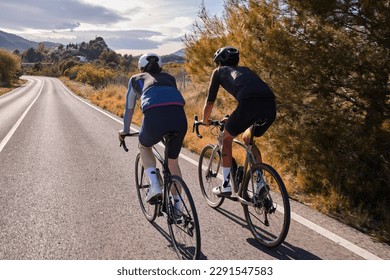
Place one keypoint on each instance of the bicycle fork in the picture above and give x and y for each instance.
(210, 173)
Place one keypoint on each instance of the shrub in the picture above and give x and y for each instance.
(96, 77)
(9, 67)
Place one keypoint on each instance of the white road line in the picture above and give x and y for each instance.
(335, 238)
(318, 229)
(92, 106)
(15, 127)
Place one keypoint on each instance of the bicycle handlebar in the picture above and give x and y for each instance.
(122, 140)
(197, 123)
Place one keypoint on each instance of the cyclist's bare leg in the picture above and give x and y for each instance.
(256, 152)
(173, 165)
(147, 157)
(174, 168)
(149, 163)
(227, 141)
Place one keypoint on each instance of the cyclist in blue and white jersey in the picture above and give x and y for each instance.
(163, 108)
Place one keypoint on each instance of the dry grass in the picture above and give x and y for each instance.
(16, 84)
(111, 98)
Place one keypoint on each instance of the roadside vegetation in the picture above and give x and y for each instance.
(9, 71)
(328, 64)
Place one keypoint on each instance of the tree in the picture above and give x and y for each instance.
(109, 57)
(328, 63)
(31, 55)
(41, 48)
(94, 48)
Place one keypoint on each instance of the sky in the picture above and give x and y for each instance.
(127, 26)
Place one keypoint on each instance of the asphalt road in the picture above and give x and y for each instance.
(67, 193)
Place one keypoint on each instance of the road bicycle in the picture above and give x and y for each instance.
(182, 220)
(257, 186)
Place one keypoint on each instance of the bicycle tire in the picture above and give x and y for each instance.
(183, 223)
(269, 219)
(142, 185)
(208, 179)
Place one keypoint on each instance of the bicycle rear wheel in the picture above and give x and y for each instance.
(269, 215)
(182, 220)
(142, 186)
(208, 169)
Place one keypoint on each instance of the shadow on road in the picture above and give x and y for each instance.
(285, 251)
(167, 236)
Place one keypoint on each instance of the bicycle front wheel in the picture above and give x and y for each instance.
(269, 215)
(208, 169)
(142, 186)
(182, 219)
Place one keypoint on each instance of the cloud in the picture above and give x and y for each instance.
(124, 24)
(53, 14)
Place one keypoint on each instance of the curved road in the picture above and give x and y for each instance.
(67, 192)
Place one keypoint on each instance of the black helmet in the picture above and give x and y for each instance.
(227, 56)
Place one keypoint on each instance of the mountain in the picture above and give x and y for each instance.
(13, 42)
(180, 53)
(176, 57)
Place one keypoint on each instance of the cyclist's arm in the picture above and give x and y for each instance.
(207, 109)
(212, 96)
(213, 87)
(131, 98)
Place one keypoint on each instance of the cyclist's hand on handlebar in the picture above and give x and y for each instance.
(206, 122)
(121, 135)
(122, 143)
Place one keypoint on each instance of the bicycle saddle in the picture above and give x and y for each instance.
(169, 135)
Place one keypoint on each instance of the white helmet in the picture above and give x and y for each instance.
(146, 58)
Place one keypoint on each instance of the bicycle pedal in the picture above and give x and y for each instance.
(179, 221)
(225, 194)
(155, 201)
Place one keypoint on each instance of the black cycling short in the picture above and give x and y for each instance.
(249, 111)
(161, 120)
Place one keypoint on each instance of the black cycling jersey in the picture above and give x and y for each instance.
(239, 81)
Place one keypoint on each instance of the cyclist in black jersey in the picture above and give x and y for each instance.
(256, 101)
(162, 105)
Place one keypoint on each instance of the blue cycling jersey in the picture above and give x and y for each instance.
(153, 90)
(157, 96)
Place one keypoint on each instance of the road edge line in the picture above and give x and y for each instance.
(16, 125)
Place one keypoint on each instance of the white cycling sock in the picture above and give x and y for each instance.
(151, 172)
(226, 176)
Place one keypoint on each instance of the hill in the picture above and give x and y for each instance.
(14, 42)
